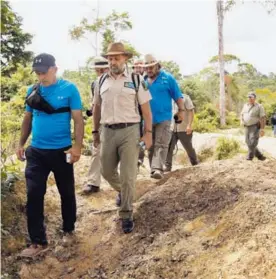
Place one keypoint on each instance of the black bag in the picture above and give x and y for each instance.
(36, 101)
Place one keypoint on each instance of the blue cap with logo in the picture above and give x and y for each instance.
(43, 62)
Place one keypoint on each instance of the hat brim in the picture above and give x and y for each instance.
(100, 67)
(128, 54)
(150, 64)
(41, 69)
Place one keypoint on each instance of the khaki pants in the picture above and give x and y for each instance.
(252, 140)
(161, 136)
(186, 141)
(94, 172)
(121, 145)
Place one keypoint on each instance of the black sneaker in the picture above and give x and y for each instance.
(118, 199)
(127, 225)
(261, 157)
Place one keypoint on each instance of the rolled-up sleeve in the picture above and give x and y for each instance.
(262, 111)
(174, 89)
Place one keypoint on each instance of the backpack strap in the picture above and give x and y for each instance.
(102, 80)
(136, 81)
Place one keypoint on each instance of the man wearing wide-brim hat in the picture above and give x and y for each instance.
(253, 118)
(164, 89)
(116, 109)
(100, 65)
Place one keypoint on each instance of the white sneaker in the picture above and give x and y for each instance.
(157, 174)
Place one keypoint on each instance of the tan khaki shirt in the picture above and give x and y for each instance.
(251, 114)
(119, 100)
(188, 106)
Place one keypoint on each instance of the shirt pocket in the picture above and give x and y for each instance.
(127, 98)
(106, 97)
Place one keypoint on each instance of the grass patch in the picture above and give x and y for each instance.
(226, 148)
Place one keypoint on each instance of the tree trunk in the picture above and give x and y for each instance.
(220, 13)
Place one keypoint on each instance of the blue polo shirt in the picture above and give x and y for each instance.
(53, 131)
(163, 90)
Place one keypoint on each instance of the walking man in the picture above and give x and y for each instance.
(163, 88)
(183, 132)
(253, 118)
(94, 173)
(50, 106)
(116, 108)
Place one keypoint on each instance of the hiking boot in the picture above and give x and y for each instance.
(249, 158)
(33, 251)
(89, 189)
(127, 225)
(157, 174)
(68, 239)
(261, 157)
(118, 200)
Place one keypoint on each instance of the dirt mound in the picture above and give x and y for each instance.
(209, 221)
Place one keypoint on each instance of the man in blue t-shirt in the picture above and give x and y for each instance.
(51, 150)
(163, 88)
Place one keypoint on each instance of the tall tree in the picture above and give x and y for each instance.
(173, 68)
(107, 27)
(13, 41)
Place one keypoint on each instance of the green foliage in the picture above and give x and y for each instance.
(173, 68)
(207, 120)
(228, 58)
(232, 120)
(83, 79)
(192, 87)
(11, 86)
(226, 148)
(13, 41)
(107, 27)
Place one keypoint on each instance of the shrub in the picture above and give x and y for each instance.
(226, 148)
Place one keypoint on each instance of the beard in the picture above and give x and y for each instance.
(117, 70)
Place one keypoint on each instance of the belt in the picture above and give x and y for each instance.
(119, 125)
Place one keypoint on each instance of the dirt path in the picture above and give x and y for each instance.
(215, 220)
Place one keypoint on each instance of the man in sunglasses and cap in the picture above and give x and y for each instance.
(116, 108)
(164, 89)
(253, 118)
(50, 106)
(100, 65)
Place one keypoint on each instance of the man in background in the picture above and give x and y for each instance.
(100, 65)
(164, 89)
(253, 118)
(183, 132)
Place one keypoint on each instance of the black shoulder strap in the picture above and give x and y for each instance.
(102, 80)
(63, 109)
(136, 81)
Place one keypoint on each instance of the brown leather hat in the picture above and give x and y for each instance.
(116, 49)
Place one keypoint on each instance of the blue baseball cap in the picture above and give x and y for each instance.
(43, 62)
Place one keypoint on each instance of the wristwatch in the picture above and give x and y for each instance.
(95, 132)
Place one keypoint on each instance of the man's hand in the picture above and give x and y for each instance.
(147, 139)
(96, 139)
(262, 132)
(20, 153)
(180, 115)
(188, 130)
(75, 153)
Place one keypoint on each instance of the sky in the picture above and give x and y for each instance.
(182, 31)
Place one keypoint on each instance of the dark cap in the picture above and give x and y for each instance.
(251, 95)
(43, 62)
